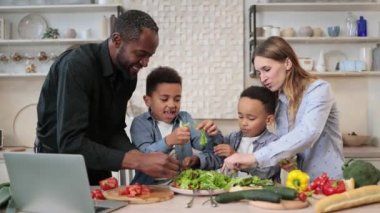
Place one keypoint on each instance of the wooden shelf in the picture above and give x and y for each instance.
(318, 6)
(346, 74)
(2, 75)
(77, 8)
(48, 41)
(326, 39)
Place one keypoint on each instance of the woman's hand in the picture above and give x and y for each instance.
(224, 150)
(239, 161)
(209, 126)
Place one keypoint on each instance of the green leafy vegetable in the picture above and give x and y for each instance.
(203, 138)
(250, 181)
(201, 179)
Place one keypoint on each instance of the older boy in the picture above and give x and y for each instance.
(160, 129)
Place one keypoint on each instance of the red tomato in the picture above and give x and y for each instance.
(109, 183)
(97, 195)
(134, 190)
(302, 196)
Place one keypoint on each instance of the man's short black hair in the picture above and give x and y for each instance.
(161, 75)
(267, 97)
(131, 23)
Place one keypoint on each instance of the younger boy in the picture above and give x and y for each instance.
(256, 110)
(165, 128)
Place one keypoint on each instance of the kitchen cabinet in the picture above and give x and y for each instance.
(89, 22)
(316, 15)
(3, 172)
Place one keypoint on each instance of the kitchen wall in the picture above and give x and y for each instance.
(203, 40)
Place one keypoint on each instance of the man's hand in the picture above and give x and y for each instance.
(179, 136)
(155, 164)
(223, 150)
(209, 126)
(191, 162)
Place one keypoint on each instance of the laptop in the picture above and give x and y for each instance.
(52, 183)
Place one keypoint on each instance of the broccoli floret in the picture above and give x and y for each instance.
(363, 172)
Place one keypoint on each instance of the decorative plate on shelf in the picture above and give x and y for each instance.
(25, 124)
(32, 26)
(332, 58)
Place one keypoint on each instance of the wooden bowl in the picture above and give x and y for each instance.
(354, 140)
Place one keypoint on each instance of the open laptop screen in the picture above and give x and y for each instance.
(50, 182)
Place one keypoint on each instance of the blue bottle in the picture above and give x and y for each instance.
(362, 27)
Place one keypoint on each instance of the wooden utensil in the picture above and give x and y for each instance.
(157, 194)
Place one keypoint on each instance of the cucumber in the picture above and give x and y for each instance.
(285, 192)
(262, 195)
(4, 184)
(228, 197)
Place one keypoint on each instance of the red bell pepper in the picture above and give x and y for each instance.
(334, 187)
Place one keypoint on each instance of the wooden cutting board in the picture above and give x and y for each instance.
(283, 205)
(157, 194)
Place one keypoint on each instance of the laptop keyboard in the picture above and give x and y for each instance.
(99, 208)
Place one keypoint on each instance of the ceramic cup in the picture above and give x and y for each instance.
(305, 31)
(275, 31)
(333, 31)
(288, 32)
(317, 32)
(86, 34)
(352, 65)
(259, 31)
(267, 31)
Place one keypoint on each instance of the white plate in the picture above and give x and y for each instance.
(25, 124)
(198, 193)
(32, 26)
(332, 58)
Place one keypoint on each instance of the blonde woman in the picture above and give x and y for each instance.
(307, 119)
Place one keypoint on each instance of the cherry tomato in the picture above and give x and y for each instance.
(302, 196)
(97, 195)
(109, 183)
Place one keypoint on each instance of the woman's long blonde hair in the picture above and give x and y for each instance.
(297, 79)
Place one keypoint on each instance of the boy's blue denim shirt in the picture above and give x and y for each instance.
(147, 137)
(263, 140)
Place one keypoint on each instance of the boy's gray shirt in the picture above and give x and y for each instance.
(147, 137)
(265, 138)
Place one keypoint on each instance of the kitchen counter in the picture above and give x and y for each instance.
(177, 204)
(361, 152)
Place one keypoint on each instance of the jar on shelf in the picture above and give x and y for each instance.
(362, 27)
(376, 58)
(351, 27)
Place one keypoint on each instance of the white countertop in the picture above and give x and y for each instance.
(177, 204)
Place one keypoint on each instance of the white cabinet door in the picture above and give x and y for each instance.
(3, 172)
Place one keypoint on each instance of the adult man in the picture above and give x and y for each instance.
(82, 105)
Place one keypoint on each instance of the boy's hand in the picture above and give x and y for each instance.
(180, 135)
(209, 126)
(190, 162)
(224, 150)
(288, 164)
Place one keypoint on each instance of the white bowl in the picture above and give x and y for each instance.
(354, 140)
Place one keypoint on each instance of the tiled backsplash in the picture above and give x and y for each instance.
(203, 41)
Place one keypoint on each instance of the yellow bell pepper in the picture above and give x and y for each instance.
(298, 180)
